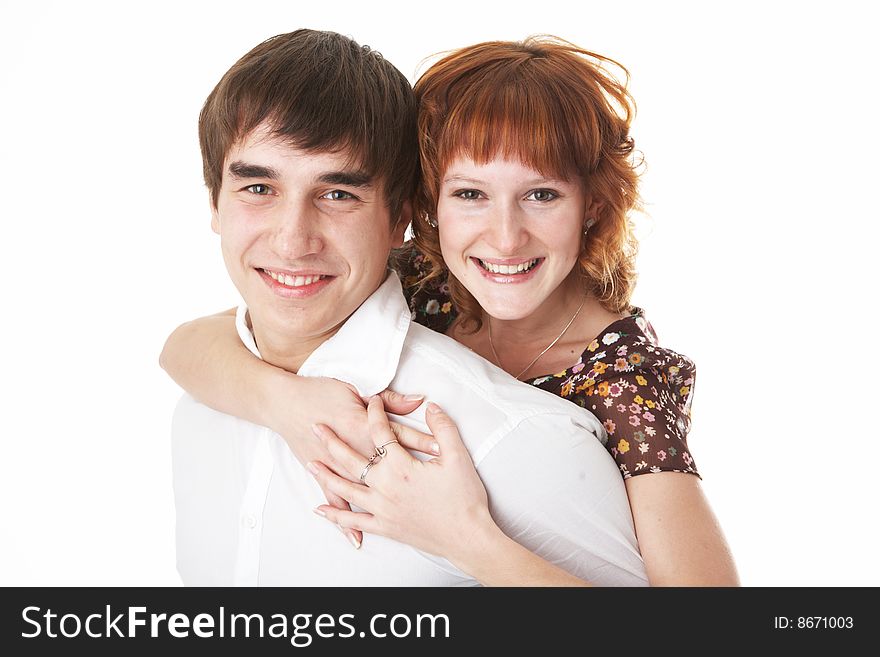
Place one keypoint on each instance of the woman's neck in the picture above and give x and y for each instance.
(518, 346)
(543, 325)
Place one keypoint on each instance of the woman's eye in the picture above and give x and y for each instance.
(259, 189)
(468, 194)
(338, 195)
(541, 195)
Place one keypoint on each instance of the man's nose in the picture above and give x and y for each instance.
(297, 231)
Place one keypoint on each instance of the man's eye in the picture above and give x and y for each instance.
(542, 195)
(468, 194)
(261, 190)
(338, 195)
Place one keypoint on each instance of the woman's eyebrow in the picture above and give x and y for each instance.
(528, 183)
(464, 179)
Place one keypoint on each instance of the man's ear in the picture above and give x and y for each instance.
(403, 221)
(215, 216)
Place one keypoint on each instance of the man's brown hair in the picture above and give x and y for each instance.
(319, 91)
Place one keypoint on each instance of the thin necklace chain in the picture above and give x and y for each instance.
(546, 349)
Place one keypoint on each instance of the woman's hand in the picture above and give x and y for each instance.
(437, 506)
(208, 359)
(318, 400)
(324, 400)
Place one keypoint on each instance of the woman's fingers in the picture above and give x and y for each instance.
(355, 536)
(352, 462)
(415, 439)
(380, 427)
(353, 493)
(335, 500)
(383, 431)
(400, 404)
(349, 520)
(445, 432)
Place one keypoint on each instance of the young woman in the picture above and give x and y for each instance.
(523, 252)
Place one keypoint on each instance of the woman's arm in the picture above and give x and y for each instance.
(208, 360)
(500, 561)
(646, 415)
(679, 537)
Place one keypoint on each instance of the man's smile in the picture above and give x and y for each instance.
(294, 285)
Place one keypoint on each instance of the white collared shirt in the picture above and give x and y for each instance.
(244, 503)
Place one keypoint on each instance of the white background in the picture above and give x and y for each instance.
(758, 122)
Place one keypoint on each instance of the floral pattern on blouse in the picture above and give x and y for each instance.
(641, 392)
(431, 304)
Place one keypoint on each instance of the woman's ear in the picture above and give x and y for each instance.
(593, 208)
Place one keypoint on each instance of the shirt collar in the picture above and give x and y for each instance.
(366, 349)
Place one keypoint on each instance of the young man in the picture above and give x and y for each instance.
(310, 158)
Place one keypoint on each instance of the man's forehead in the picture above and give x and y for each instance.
(264, 143)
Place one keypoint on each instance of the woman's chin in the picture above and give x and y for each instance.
(507, 312)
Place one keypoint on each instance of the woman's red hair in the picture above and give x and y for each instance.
(558, 109)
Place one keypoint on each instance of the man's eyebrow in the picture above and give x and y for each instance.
(349, 178)
(240, 170)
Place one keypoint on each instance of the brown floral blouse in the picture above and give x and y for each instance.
(641, 392)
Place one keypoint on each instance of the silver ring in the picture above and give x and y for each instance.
(366, 469)
(381, 451)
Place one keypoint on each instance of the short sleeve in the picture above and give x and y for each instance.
(430, 303)
(640, 392)
(647, 421)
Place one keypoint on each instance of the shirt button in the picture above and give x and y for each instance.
(249, 521)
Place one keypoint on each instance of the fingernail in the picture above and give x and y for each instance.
(413, 397)
(320, 513)
(433, 408)
(435, 448)
(316, 430)
(310, 466)
(353, 540)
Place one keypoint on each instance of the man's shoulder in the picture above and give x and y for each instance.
(191, 416)
(439, 357)
(188, 407)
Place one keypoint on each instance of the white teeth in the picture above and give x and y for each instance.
(508, 269)
(294, 281)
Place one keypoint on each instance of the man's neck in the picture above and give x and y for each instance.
(279, 346)
(283, 351)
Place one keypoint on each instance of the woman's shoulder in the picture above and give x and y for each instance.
(640, 391)
(626, 346)
(630, 345)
